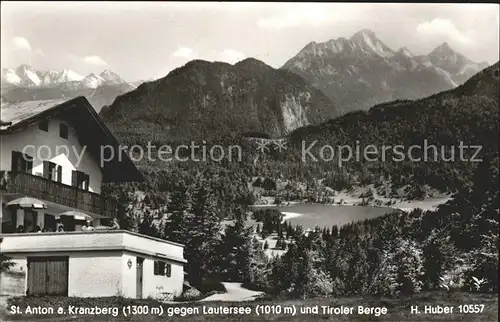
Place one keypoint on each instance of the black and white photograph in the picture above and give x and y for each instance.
(249, 161)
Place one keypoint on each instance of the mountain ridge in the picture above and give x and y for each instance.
(220, 98)
(27, 76)
(25, 83)
(362, 71)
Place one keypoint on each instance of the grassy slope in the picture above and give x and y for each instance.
(398, 309)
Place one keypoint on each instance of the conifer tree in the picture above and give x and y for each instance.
(237, 251)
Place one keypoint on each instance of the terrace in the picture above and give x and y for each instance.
(105, 240)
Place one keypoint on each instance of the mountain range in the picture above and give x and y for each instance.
(362, 71)
(27, 76)
(25, 83)
(352, 74)
(207, 99)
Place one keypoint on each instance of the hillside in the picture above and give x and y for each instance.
(467, 114)
(204, 99)
(362, 71)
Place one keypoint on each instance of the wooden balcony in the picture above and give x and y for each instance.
(59, 193)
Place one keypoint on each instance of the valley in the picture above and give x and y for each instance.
(331, 224)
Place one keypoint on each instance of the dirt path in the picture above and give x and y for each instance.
(235, 293)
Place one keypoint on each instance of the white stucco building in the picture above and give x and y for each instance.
(51, 151)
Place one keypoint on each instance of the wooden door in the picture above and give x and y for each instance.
(37, 276)
(47, 276)
(139, 275)
(57, 276)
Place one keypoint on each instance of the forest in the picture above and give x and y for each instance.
(206, 206)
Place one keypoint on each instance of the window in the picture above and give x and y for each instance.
(21, 162)
(44, 125)
(80, 179)
(162, 269)
(52, 171)
(63, 131)
(168, 270)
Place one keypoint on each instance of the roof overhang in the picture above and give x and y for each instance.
(92, 133)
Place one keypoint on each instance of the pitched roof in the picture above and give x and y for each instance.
(13, 113)
(92, 132)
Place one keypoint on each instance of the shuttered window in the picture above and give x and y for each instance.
(80, 179)
(52, 171)
(163, 269)
(21, 162)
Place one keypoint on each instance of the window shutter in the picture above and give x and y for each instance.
(16, 164)
(29, 164)
(59, 173)
(46, 168)
(156, 268)
(74, 178)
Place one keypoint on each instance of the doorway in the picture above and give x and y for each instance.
(30, 220)
(139, 277)
(47, 276)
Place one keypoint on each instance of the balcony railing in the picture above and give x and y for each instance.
(42, 188)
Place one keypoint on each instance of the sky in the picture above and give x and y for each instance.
(145, 40)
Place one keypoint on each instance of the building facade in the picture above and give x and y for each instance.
(52, 156)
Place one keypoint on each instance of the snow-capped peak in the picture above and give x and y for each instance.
(10, 77)
(67, 75)
(28, 75)
(92, 81)
(111, 78)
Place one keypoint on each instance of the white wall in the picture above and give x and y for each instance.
(129, 275)
(93, 274)
(152, 284)
(69, 161)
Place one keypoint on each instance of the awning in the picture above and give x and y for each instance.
(27, 202)
(76, 214)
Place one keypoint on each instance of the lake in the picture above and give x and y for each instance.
(312, 215)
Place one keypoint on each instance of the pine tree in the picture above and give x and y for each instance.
(179, 199)
(124, 216)
(176, 228)
(237, 251)
(203, 228)
(147, 226)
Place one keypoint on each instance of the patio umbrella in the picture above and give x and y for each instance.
(76, 214)
(27, 202)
